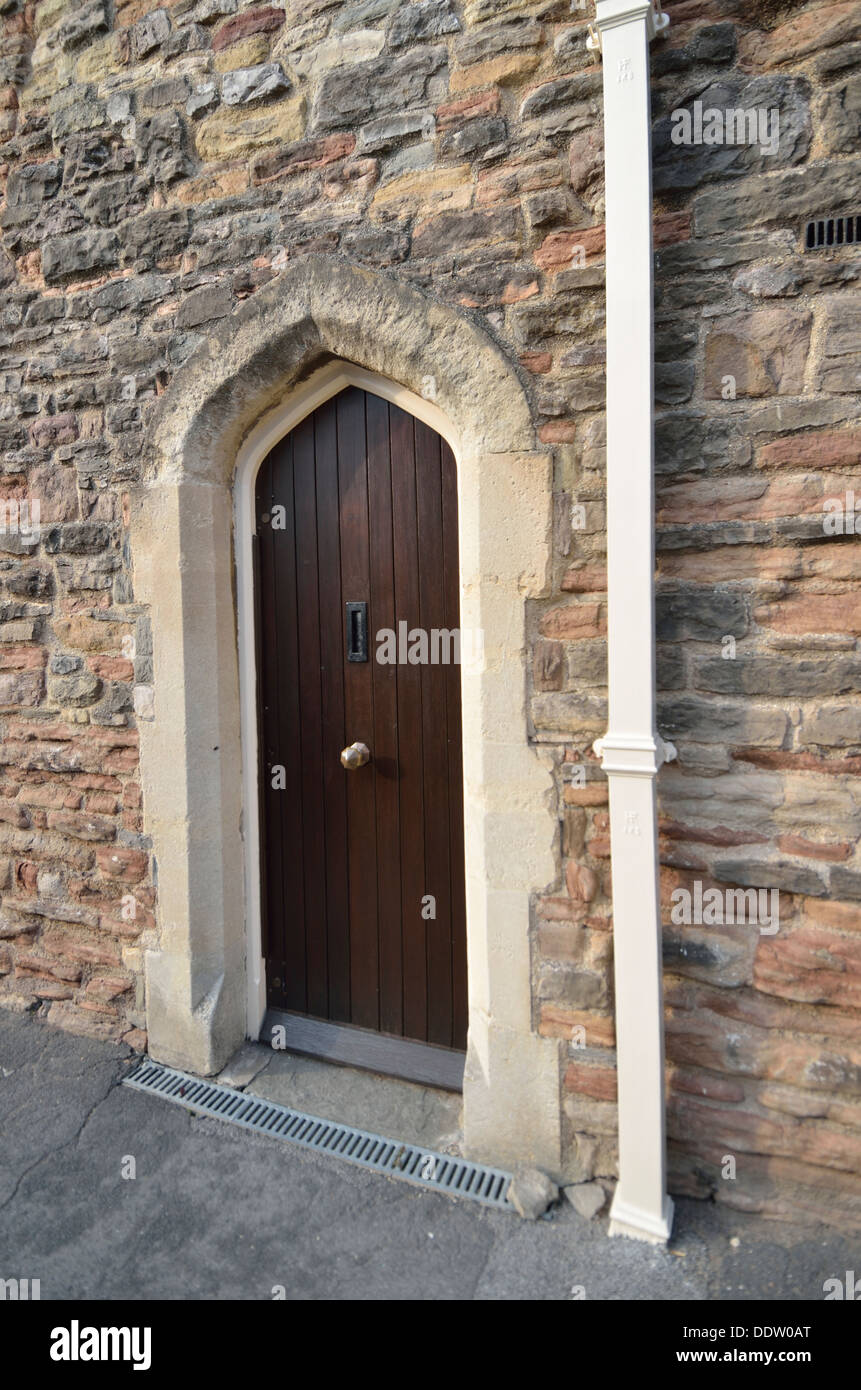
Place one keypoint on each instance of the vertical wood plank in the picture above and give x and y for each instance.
(272, 870)
(310, 711)
(386, 724)
(410, 744)
(289, 727)
(454, 723)
(359, 712)
(337, 925)
(429, 557)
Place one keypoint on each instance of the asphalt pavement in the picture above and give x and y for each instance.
(109, 1193)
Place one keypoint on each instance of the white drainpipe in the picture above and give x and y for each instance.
(632, 751)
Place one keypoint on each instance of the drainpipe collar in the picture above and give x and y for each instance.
(633, 754)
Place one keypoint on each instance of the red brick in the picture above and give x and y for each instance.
(740, 499)
(671, 227)
(81, 825)
(719, 835)
(128, 865)
(29, 658)
(104, 988)
(746, 1131)
(818, 613)
(26, 874)
(821, 27)
(811, 964)
(558, 250)
(515, 294)
(585, 579)
(13, 813)
(54, 794)
(561, 941)
(814, 449)
(592, 794)
(736, 562)
(573, 621)
(288, 161)
(116, 925)
(833, 853)
(537, 362)
(260, 21)
(51, 989)
(111, 668)
(558, 432)
(97, 1007)
(828, 913)
(93, 781)
(47, 965)
(761, 1011)
(559, 910)
(597, 1082)
(71, 1019)
(557, 1022)
(798, 762)
(54, 429)
(701, 1083)
(581, 881)
(84, 952)
(454, 113)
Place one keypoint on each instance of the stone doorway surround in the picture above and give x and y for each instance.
(320, 325)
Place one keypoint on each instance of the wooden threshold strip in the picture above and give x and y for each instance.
(360, 1047)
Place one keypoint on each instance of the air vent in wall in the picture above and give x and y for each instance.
(832, 231)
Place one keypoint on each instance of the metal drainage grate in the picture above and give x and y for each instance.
(832, 231)
(441, 1172)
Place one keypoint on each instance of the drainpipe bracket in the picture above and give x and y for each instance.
(658, 22)
(614, 12)
(669, 752)
(633, 754)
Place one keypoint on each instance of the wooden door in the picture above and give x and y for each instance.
(363, 883)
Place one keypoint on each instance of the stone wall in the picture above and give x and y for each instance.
(763, 1033)
(159, 167)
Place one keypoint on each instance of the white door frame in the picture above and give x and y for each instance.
(319, 324)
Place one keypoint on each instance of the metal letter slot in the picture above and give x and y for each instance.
(357, 631)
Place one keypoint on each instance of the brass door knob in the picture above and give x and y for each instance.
(355, 756)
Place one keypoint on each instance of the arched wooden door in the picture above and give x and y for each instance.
(363, 880)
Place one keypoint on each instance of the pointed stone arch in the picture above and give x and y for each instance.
(245, 385)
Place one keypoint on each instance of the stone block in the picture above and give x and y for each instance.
(587, 1198)
(423, 19)
(253, 84)
(350, 96)
(764, 352)
(531, 1192)
(79, 253)
(234, 133)
(149, 33)
(84, 24)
